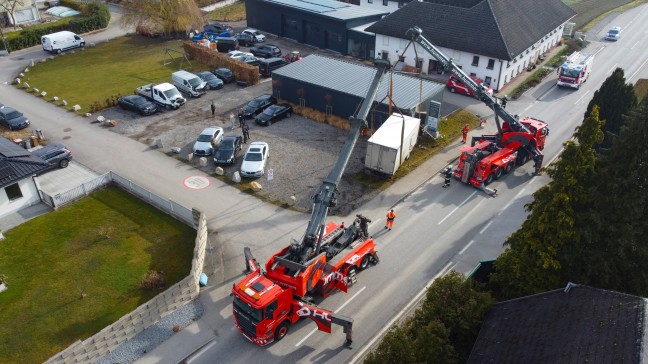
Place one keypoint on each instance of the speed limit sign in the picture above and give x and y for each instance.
(270, 174)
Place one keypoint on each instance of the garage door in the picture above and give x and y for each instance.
(290, 28)
(24, 15)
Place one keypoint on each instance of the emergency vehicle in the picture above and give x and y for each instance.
(576, 69)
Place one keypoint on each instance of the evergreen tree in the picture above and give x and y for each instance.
(615, 98)
(542, 253)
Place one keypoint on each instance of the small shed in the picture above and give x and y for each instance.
(338, 87)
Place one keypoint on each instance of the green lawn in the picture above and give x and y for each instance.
(114, 68)
(234, 12)
(51, 260)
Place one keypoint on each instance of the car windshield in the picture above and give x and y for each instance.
(139, 101)
(170, 93)
(227, 145)
(248, 310)
(195, 82)
(204, 138)
(254, 103)
(613, 32)
(13, 115)
(569, 73)
(269, 111)
(253, 157)
(208, 76)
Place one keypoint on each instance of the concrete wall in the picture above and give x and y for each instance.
(129, 325)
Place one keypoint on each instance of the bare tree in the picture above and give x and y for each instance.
(170, 17)
(10, 6)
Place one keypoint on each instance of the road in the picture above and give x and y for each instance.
(436, 229)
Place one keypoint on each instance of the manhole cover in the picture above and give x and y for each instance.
(196, 182)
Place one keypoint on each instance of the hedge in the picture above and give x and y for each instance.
(93, 16)
(242, 71)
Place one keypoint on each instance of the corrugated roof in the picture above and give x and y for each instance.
(17, 163)
(330, 8)
(353, 79)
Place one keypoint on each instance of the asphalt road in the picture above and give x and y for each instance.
(436, 229)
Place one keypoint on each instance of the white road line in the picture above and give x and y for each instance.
(407, 307)
(582, 97)
(466, 247)
(457, 208)
(614, 67)
(336, 311)
(638, 69)
(637, 42)
(485, 227)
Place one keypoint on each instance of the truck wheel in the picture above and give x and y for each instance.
(168, 107)
(508, 168)
(365, 262)
(58, 51)
(488, 180)
(499, 173)
(281, 331)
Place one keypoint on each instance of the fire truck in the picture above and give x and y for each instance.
(576, 69)
(268, 301)
(488, 157)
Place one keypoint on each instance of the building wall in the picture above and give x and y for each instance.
(29, 197)
(24, 12)
(499, 75)
(390, 6)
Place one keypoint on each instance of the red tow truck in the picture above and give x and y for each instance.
(266, 302)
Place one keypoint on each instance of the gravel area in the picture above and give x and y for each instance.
(154, 335)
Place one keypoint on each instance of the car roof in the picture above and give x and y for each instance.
(211, 130)
(48, 148)
(258, 144)
(230, 137)
(6, 110)
(264, 96)
(223, 69)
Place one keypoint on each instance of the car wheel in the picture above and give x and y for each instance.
(452, 90)
(281, 331)
(58, 51)
(82, 44)
(64, 163)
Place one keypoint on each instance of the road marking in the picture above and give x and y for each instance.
(637, 42)
(485, 227)
(613, 67)
(582, 97)
(336, 311)
(196, 182)
(638, 69)
(407, 307)
(466, 247)
(457, 208)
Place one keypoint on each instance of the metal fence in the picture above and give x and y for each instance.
(170, 207)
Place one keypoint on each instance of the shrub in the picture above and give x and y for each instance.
(153, 280)
(242, 71)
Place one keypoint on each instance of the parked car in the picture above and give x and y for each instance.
(251, 60)
(226, 44)
(613, 34)
(213, 82)
(13, 119)
(273, 113)
(225, 74)
(254, 160)
(226, 152)
(138, 104)
(257, 105)
(208, 140)
(455, 85)
(266, 66)
(236, 54)
(216, 27)
(257, 34)
(246, 40)
(266, 51)
(54, 154)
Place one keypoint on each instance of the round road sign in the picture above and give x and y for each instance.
(196, 182)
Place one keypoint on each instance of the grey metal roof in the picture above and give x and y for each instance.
(17, 163)
(500, 29)
(353, 79)
(330, 8)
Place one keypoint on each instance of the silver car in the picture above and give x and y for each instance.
(208, 140)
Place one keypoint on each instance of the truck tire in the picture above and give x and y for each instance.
(365, 261)
(508, 168)
(488, 180)
(499, 173)
(58, 51)
(281, 331)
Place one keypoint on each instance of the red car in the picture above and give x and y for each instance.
(455, 85)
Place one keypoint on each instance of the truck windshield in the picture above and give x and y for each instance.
(248, 310)
(569, 73)
(171, 93)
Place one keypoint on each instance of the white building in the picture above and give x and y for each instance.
(493, 40)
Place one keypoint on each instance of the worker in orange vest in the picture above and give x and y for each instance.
(391, 216)
(464, 133)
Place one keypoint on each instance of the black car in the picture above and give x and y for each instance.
(225, 74)
(251, 60)
(273, 113)
(216, 27)
(266, 51)
(246, 40)
(257, 105)
(226, 152)
(138, 104)
(213, 82)
(54, 154)
(13, 119)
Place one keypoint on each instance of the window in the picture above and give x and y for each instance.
(401, 4)
(13, 192)
(369, 1)
(491, 64)
(385, 2)
(488, 80)
(475, 61)
(508, 64)
(472, 74)
(401, 58)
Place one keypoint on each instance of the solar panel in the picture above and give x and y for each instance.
(11, 150)
(6, 171)
(315, 6)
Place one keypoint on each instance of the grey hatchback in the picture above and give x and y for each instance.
(54, 154)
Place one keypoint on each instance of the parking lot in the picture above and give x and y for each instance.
(302, 152)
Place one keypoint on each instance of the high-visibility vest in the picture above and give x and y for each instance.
(391, 216)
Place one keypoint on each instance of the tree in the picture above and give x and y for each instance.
(541, 254)
(615, 98)
(10, 6)
(170, 17)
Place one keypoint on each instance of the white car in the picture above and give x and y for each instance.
(254, 160)
(257, 34)
(613, 34)
(237, 54)
(208, 140)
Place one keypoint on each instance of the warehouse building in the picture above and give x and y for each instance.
(338, 87)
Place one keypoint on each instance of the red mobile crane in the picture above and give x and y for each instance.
(490, 156)
(267, 302)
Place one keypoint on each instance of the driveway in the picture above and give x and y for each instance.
(64, 179)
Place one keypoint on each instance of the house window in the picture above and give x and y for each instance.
(472, 74)
(385, 2)
(488, 80)
(508, 64)
(491, 64)
(419, 63)
(369, 1)
(385, 40)
(401, 58)
(13, 192)
(475, 61)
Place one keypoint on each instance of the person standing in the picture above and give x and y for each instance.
(464, 133)
(241, 118)
(246, 132)
(447, 175)
(213, 109)
(232, 120)
(391, 216)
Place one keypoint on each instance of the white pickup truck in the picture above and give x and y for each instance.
(163, 94)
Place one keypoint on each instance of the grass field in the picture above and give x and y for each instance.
(100, 247)
(234, 12)
(114, 68)
(591, 11)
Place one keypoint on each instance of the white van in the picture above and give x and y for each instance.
(188, 83)
(61, 41)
